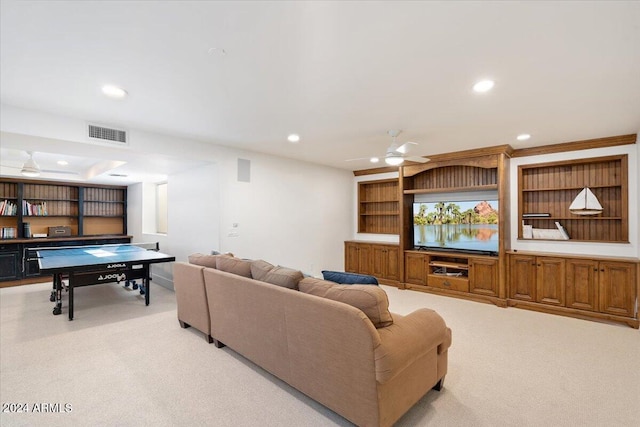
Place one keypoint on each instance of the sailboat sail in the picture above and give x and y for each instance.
(585, 203)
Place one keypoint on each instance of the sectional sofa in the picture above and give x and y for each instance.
(338, 344)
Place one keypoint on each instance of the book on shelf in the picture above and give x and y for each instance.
(34, 209)
(9, 233)
(536, 215)
(8, 208)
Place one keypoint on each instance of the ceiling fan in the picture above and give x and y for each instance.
(31, 169)
(396, 154)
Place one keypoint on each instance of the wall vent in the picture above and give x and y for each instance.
(107, 135)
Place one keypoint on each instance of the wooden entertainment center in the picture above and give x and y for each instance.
(594, 287)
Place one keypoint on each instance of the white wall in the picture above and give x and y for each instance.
(193, 212)
(290, 213)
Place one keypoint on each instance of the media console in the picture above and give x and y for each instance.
(455, 274)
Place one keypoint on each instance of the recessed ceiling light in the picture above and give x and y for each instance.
(374, 160)
(293, 138)
(62, 162)
(523, 137)
(483, 86)
(114, 91)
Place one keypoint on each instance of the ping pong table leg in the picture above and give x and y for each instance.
(57, 285)
(147, 282)
(71, 280)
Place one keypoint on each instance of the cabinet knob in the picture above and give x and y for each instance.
(446, 283)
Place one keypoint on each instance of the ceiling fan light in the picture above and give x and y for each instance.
(30, 172)
(393, 160)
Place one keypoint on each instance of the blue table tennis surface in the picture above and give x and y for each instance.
(85, 256)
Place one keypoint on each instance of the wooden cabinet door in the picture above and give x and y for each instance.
(10, 264)
(364, 258)
(483, 276)
(393, 268)
(351, 260)
(384, 261)
(522, 277)
(618, 287)
(582, 284)
(550, 280)
(415, 268)
(379, 261)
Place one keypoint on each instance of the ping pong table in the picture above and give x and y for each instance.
(94, 265)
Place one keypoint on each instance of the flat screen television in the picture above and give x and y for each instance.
(463, 226)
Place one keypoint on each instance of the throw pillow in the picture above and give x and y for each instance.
(349, 278)
(260, 268)
(241, 267)
(372, 300)
(203, 260)
(283, 276)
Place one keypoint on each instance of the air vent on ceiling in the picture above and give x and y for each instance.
(107, 135)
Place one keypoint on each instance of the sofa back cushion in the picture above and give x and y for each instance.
(241, 267)
(203, 260)
(285, 277)
(372, 300)
(280, 276)
(260, 268)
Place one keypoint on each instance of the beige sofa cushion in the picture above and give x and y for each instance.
(241, 267)
(285, 277)
(280, 276)
(203, 260)
(260, 268)
(372, 300)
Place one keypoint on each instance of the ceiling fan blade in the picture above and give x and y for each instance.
(417, 159)
(359, 158)
(59, 172)
(405, 147)
(43, 170)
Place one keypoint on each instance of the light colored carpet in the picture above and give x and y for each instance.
(121, 363)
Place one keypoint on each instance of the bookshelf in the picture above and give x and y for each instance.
(379, 207)
(547, 189)
(104, 210)
(86, 210)
(94, 215)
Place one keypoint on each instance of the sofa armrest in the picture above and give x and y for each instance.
(408, 339)
(191, 296)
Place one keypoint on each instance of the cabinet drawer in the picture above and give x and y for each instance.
(449, 282)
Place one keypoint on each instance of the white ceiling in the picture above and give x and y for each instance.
(338, 73)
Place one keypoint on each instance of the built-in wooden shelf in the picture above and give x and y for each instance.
(379, 207)
(551, 187)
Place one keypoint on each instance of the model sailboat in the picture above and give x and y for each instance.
(586, 203)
